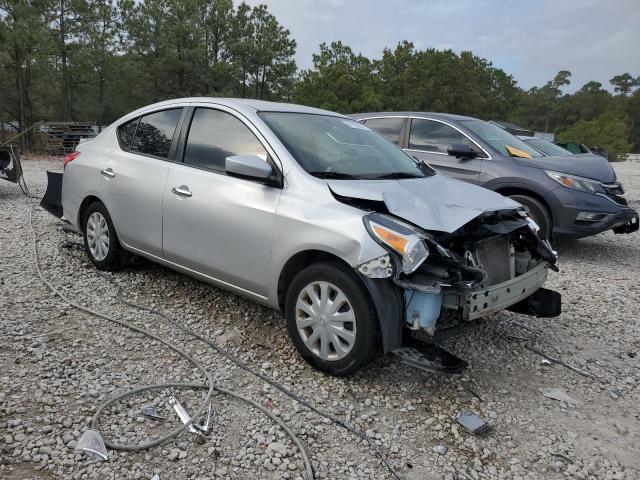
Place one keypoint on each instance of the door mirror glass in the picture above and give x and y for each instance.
(248, 166)
(460, 150)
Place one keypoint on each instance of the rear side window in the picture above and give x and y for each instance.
(155, 132)
(433, 136)
(389, 127)
(216, 135)
(126, 133)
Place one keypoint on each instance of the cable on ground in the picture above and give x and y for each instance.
(210, 386)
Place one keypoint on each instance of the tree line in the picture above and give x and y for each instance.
(95, 60)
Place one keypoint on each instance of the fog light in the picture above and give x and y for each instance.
(591, 217)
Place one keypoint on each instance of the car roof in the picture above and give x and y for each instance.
(243, 104)
(434, 115)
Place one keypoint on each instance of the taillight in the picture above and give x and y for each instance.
(70, 158)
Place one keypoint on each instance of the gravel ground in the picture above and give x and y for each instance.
(58, 364)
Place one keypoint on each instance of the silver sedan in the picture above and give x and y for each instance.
(309, 212)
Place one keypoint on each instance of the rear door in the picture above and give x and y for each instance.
(390, 127)
(428, 142)
(215, 224)
(133, 176)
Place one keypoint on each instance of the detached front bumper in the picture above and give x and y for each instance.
(480, 303)
(52, 200)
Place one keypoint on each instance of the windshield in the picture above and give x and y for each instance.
(500, 139)
(548, 148)
(341, 148)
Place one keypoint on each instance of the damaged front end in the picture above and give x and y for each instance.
(495, 261)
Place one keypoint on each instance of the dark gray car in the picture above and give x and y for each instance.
(574, 198)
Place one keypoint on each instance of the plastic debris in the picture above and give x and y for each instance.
(92, 445)
(151, 412)
(557, 394)
(472, 422)
(440, 449)
(155, 477)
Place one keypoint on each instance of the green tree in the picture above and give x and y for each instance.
(339, 80)
(624, 83)
(22, 35)
(606, 131)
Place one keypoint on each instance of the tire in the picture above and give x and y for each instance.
(538, 212)
(357, 341)
(96, 224)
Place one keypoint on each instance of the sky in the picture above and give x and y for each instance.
(531, 40)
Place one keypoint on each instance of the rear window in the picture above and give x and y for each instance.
(126, 132)
(389, 127)
(155, 132)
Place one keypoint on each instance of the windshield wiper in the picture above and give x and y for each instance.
(397, 175)
(335, 175)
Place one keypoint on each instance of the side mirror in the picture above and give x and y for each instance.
(461, 150)
(248, 166)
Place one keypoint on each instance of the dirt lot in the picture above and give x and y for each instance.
(58, 364)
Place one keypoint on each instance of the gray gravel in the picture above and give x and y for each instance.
(59, 364)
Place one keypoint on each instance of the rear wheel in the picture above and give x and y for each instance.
(538, 212)
(100, 239)
(331, 319)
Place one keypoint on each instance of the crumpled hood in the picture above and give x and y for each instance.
(433, 203)
(586, 165)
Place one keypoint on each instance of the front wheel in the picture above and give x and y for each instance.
(331, 319)
(538, 212)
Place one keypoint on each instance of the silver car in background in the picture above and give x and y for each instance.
(309, 212)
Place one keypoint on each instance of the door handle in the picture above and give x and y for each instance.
(107, 172)
(182, 191)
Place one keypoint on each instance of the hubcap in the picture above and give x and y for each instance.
(326, 321)
(98, 236)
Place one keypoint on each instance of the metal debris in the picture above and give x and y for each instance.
(560, 362)
(151, 412)
(185, 417)
(155, 477)
(472, 422)
(557, 394)
(92, 445)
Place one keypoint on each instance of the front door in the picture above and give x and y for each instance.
(215, 224)
(429, 141)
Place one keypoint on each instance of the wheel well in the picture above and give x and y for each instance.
(507, 191)
(296, 263)
(83, 208)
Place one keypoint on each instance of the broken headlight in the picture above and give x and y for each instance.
(399, 238)
(577, 183)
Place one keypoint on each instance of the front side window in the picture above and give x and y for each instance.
(215, 135)
(389, 127)
(503, 141)
(340, 148)
(155, 132)
(126, 132)
(431, 136)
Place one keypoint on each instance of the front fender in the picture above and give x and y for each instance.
(389, 304)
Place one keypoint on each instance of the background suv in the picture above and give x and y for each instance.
(574, 198)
